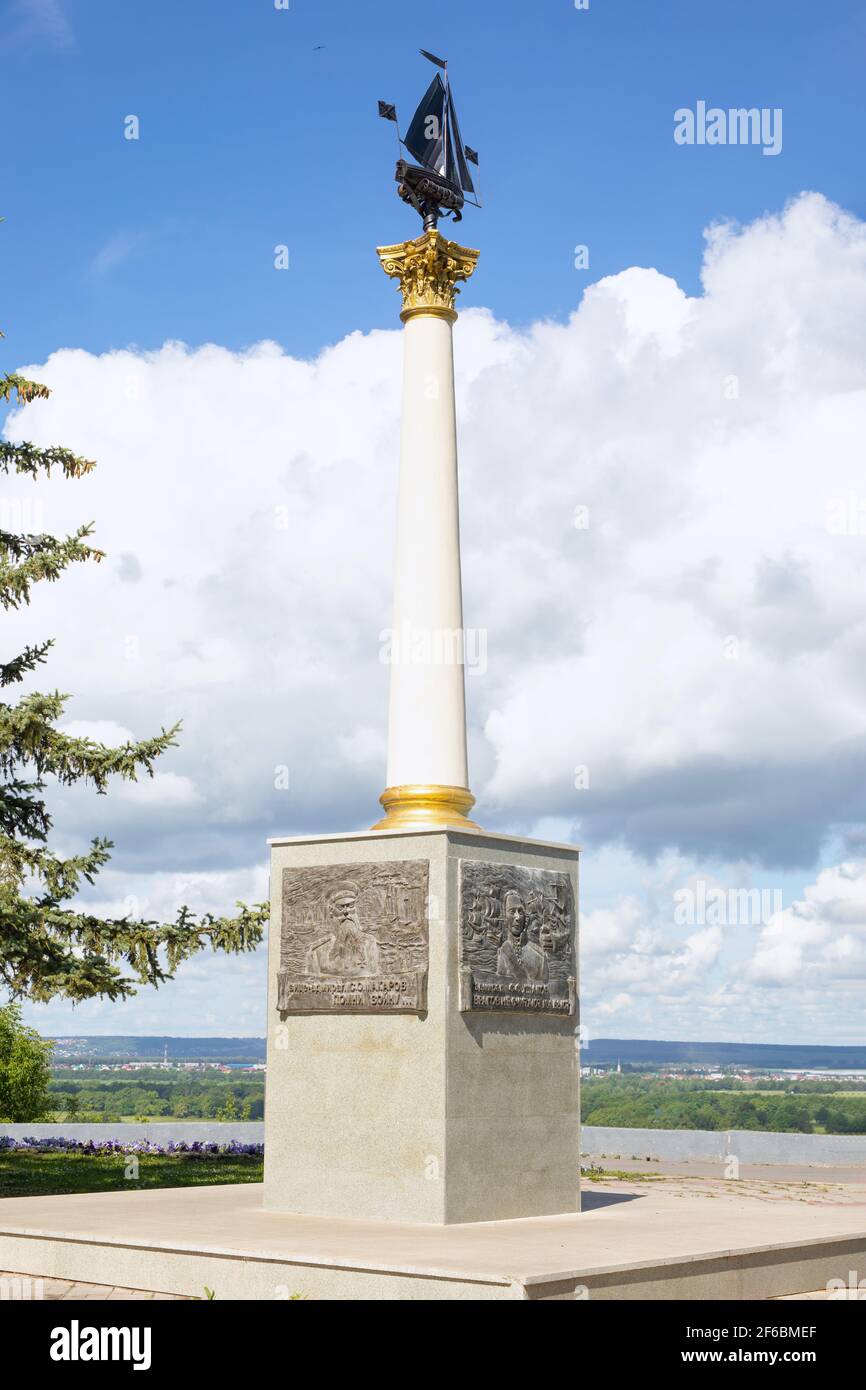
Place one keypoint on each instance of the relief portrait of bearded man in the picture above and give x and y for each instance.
(349, 950)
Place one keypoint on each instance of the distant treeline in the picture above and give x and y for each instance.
(633, 1102)
(157, 1095)
(629, 1101)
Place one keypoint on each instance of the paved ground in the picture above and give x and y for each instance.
(859, 1295)
(64, 1289)
(696, 1168)
(813, 1191)
(23, 1285)
(814, 1186)
(636, 1219)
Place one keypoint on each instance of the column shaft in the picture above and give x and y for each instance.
(427, 780)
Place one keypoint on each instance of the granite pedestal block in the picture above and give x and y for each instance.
(422, 1006)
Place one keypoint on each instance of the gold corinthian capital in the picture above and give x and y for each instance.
(427, 271)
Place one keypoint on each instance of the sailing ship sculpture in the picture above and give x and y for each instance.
(438, 184)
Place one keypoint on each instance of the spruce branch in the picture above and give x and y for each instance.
(16, 669)
(27, 458)
(24, 390)
(44, 558)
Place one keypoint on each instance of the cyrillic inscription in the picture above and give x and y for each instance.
(354, 938)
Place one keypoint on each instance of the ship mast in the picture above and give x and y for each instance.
(445, 124)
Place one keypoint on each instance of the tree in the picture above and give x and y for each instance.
(25, 1070)
(229, 1111)
(48, 947)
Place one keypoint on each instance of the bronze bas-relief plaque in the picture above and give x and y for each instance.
(516, 950)
(354, 938)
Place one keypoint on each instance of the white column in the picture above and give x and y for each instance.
(427, 779)
(427, 714)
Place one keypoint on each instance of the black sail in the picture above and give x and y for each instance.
(425, 136)
(457, 171)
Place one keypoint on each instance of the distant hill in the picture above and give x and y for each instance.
(147, 1049)
(722, 1054)
(601, 1051)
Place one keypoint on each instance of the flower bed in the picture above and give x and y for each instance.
(139, 1146)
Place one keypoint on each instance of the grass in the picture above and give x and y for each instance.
(134, 1117)
(61, 1117)
(29, 1174)
(593, 1174)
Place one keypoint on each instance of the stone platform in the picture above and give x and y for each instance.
(633, 1241)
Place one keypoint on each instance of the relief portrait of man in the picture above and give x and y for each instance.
(517, 958)
(515, 952)
(349, 950)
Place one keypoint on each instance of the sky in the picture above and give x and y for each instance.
(660, 376)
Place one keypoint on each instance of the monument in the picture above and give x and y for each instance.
(422, 1004)
(422, 1081)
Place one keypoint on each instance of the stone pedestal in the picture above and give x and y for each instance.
(422, 1062)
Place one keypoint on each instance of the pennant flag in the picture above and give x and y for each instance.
(440, 62)
(387, 111)
(471, 155)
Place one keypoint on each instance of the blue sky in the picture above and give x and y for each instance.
(607, 387)
(250, 138)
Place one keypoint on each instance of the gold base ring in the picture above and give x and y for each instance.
(413, 807)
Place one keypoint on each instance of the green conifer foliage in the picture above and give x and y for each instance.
(48, 947)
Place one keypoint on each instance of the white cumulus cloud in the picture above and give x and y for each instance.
(651, 503)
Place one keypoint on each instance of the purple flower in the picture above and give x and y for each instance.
(135, 1146)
